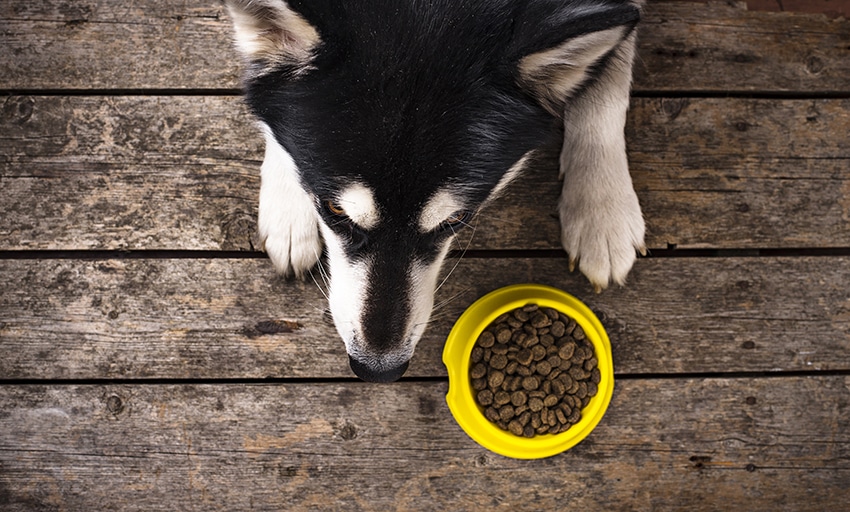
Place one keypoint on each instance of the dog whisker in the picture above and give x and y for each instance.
(459, 258)
(318, 308)
(318, 285)
(321, 274)
(466, 224)
(438, 311)
(443, 303)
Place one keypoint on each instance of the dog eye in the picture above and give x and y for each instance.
(457, 218)
(335, 208)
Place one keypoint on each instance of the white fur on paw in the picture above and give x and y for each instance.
(602, 234)
(290, 235)
(288, 221)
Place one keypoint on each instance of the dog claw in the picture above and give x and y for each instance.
(642, 250)
(572, 264)
(597, 289)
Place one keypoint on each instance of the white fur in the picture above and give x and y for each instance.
(272, 33)
(359, 205)
(288, 222)
(601, 221)
(509, 176)
(438, 208)
(556, 73)
(346, 291)
(423, 279)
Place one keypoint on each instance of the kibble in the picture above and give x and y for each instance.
(538, 352)
(533, 370)
(495, 379)
(506, 412)
(498, 361)
(485, 397)
(503, 335)
(515, 427)
(486, 339)
(530, 383)
(478, 371)
(518, 398)
(566, 351)
(477, 354)
(479, 384)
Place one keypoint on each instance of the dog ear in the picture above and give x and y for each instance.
(270, 34)
(558, 55)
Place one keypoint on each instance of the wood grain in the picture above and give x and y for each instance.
(761, 444)
(128, 173)
(98, 44)
(183, 173)
(759, 172)
(169, 44)
(723, 47)
(218, 318)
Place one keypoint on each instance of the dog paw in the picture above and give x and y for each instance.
(602, 235)
(289, 232)
(288, 223)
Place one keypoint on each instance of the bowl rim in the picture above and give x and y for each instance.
(459, 344)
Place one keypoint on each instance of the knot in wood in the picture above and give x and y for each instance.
(348, 431)
(114, 404)
(814, 64)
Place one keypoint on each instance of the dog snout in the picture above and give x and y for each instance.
(372, 374)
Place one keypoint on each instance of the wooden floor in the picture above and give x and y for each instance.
(150, 359)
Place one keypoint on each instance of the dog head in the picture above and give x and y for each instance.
(403, 119)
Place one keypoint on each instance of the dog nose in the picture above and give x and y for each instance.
(371, 375)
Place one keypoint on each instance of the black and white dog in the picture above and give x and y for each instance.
(390, 123)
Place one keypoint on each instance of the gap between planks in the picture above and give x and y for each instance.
(637, 93)
(739, 375)
(652, 253)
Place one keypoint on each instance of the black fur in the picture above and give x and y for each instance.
(407, 96)
(423, 92)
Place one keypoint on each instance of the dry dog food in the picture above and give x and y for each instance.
(533, 370)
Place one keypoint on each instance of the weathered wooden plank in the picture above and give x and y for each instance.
(724, 47)
(183, 173)
(171, 44)
(832, 8)
(753, 444)
(234, 319)
(128, 173)
(100, 44)
(756, 170)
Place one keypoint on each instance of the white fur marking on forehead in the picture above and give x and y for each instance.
(359, 204)
(439, 208)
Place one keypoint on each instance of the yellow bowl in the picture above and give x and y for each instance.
(461, 401)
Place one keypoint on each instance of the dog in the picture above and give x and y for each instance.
(389, 124)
